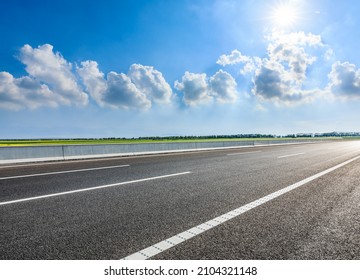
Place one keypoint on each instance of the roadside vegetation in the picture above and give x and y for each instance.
(210, 138)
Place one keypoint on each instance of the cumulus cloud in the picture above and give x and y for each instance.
(24, 92)
(53, 70)
(121, 92)
(281, 75)
(198, 89)
(289, 51)
(139, 89)
(249, 67)
(194, 87)
(344, 80)
(272, 82)
(234, 58)
(93, 80)
(151, 82)
(268, 81)
(223, 87)
(50, 82)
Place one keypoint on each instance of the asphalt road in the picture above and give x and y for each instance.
(113, 208)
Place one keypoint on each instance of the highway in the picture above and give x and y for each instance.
(274, 202)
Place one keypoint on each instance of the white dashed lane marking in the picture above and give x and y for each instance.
(63, 172)
(292, 155)
(243, 153)
(94, 188)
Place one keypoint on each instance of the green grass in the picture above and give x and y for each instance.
(129, 141)
(352, 137)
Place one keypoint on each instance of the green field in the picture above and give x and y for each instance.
(132, 141)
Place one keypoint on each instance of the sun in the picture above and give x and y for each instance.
(284, 15)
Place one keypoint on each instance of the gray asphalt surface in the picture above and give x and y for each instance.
(319, 220)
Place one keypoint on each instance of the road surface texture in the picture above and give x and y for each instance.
(278, 204)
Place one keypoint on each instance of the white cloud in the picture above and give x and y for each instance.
(296, 38)
(198, 89)
(234, 58)
(284, 75)
(223, 87)
(151, 82)
(24, 92)
(344, 80)
(272, 82)
(93, 80)
(50, 82)
(53, 70)
(139, 89)
(280, 76)
(250, 66)
(292, 55)
(194, 87)
(122, 93)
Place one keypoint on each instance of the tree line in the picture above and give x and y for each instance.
(195, 137)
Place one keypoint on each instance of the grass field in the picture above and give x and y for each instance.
(4, 143)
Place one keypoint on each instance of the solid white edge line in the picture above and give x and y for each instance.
(181, 237)
(292, 155)
(93, 188)
(62, 172)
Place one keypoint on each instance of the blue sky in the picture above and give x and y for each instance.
(157, 68)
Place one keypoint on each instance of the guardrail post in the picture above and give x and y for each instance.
(63, 153)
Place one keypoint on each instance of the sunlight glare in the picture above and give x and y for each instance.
(284, 15)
